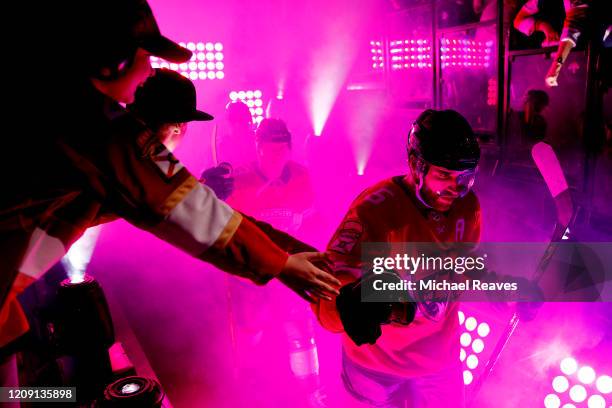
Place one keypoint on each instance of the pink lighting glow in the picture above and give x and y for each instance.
(77, 258)
(407, 54)
(349, 79)
(411, 53)
(330, 65)
(471, 341)
(252, 98)
(203, 65)
(465, 53)
(580, 386)
(377, 55)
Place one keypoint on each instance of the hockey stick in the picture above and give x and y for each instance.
(213, 146)
(228, 291)
(550, 169)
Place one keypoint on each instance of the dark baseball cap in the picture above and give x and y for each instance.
(147, 35)
(167, 97)
(114, 29)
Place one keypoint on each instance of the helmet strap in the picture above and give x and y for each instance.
(421, 171)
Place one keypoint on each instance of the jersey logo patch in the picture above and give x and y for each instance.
(347, 236)
(167, 163)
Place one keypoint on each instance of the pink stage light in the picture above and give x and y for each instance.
(579, 386)
(253, 99)
(377, 52)
(578, 393)
(465, 53)
(417, 54)
(472, 362)
(78, 256)
(586, 375)
(478, 346)
(552, 401)
(560, 384)
(468, 377)
(361, 167)
(204, 64)
(569, 366)
(405, 55)
(472, 343)
(492, 92)
(604, 384)
(596, 401)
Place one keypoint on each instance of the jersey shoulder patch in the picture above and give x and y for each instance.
(347, 236)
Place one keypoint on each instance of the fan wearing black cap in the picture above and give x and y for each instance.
(166, 103)
(400, 351)
(95, 161)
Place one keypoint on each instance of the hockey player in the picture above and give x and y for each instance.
(106, 162)
(415, 359)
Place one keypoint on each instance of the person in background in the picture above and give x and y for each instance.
(594, 19)
(277, 190)
(528, 126)
(236, 144)
(543, 16)
(281, 187)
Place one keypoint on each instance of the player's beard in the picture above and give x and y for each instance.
(438, 200)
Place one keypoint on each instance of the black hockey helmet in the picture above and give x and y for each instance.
(274, 131)
(444, 138)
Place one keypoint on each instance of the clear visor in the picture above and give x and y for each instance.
(465, 181)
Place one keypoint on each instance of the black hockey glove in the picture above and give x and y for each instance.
(219, 179)
(363, 310)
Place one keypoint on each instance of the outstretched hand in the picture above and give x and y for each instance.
(308, 281)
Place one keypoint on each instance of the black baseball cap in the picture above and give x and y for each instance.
(113, 29)
(147, 35)
(167, 97)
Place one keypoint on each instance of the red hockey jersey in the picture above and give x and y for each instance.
(386, 212)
